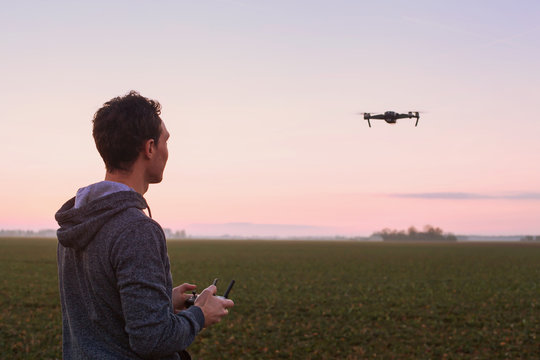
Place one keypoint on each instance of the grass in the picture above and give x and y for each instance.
(317, 300)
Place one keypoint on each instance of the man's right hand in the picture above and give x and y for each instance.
(213, 307)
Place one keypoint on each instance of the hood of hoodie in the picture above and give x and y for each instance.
(79, 225)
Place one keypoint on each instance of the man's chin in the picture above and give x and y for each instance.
(156, 180)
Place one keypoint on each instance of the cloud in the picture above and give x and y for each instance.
(468, 196)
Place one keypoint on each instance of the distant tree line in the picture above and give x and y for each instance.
(530, 238)
(430, 233)
(46, 233)
(50, 233)
(170, 234)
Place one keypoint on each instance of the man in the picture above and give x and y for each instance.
(114, 273)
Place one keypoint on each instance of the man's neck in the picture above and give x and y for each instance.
(128, 178)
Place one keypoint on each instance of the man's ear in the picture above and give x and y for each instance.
(148, 148)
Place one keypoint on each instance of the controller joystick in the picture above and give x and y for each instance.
(191, 301)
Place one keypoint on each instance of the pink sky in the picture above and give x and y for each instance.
(261, 100)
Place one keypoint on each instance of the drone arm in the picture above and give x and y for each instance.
(403, 116)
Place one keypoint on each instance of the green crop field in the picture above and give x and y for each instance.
(317, 300)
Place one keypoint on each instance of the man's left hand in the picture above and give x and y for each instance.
(179, 296)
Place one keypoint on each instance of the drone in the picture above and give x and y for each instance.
(391, 117)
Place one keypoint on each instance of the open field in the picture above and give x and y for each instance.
(317, 300)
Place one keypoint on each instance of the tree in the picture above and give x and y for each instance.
(430, 233)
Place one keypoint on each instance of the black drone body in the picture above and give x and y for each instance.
(392, 117)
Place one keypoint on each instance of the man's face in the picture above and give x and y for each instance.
(159, 160)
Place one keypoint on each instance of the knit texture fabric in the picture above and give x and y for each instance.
(116, 285)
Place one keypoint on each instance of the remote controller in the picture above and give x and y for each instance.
(191, 301)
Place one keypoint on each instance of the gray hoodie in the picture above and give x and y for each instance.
(115, 281)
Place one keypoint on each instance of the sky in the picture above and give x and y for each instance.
(262, 100)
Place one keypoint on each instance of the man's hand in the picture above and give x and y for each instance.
(179, 296)
(213, 307)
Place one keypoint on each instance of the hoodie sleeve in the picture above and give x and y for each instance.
(139, 258)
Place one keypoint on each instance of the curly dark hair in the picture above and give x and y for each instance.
(122, 126)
